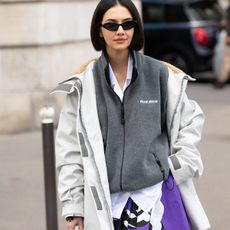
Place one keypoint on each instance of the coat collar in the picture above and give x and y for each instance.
(177, 83)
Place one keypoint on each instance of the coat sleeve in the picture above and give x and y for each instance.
(185, 161)
(68, 159)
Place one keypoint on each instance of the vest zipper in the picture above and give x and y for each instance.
(122, 114)
(123, 152)
(123, 124)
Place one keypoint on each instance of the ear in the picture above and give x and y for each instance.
(100, 33)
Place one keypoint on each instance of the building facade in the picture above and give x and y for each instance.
(41, 44)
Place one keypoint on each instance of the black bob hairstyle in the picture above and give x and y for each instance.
(104, 5)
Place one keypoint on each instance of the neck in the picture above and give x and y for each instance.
(119, 63)
(118, 59)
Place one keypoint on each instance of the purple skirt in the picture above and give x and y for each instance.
(174, 216)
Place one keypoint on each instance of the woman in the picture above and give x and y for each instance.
(125, 127)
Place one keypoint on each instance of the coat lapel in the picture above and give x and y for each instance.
(89, 116)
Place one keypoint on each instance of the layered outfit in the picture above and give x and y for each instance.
(115, 149)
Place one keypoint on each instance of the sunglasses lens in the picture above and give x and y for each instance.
(111, 26)
(128, 25)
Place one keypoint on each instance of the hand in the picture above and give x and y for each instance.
(227, 40)
(77, 221)
(222, 24)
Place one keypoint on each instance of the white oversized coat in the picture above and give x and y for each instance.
(83, 183)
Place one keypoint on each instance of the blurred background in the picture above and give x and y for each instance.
(44, 42)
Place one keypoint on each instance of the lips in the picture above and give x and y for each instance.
(120, 40)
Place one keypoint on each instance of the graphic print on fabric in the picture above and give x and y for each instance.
(134, 218)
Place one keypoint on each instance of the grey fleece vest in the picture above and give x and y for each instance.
(134, 131)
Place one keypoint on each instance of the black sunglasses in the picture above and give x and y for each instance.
(113, 26)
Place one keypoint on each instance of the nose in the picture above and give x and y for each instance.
(120, 30)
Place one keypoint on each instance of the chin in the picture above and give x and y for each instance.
(120, 48)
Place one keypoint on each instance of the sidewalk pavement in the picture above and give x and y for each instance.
(22, 192)
(21, 168)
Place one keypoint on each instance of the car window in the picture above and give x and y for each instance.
(204, 10)
(164, 13)
(175, 13)
(153, 13)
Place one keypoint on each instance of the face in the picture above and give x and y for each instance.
(120, 39)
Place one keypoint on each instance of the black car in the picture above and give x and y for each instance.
(182, 32)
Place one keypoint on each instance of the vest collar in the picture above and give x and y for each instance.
(103, 62)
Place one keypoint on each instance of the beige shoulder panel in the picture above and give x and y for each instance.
(173, 68)
(81, 69)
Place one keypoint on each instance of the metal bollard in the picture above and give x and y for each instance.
(47, 117)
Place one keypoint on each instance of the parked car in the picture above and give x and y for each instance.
(182, 32)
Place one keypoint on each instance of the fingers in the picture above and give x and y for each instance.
(77, 221)
(71, 225)
(81, 226)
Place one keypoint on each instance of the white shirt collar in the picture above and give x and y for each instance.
(113, 80)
